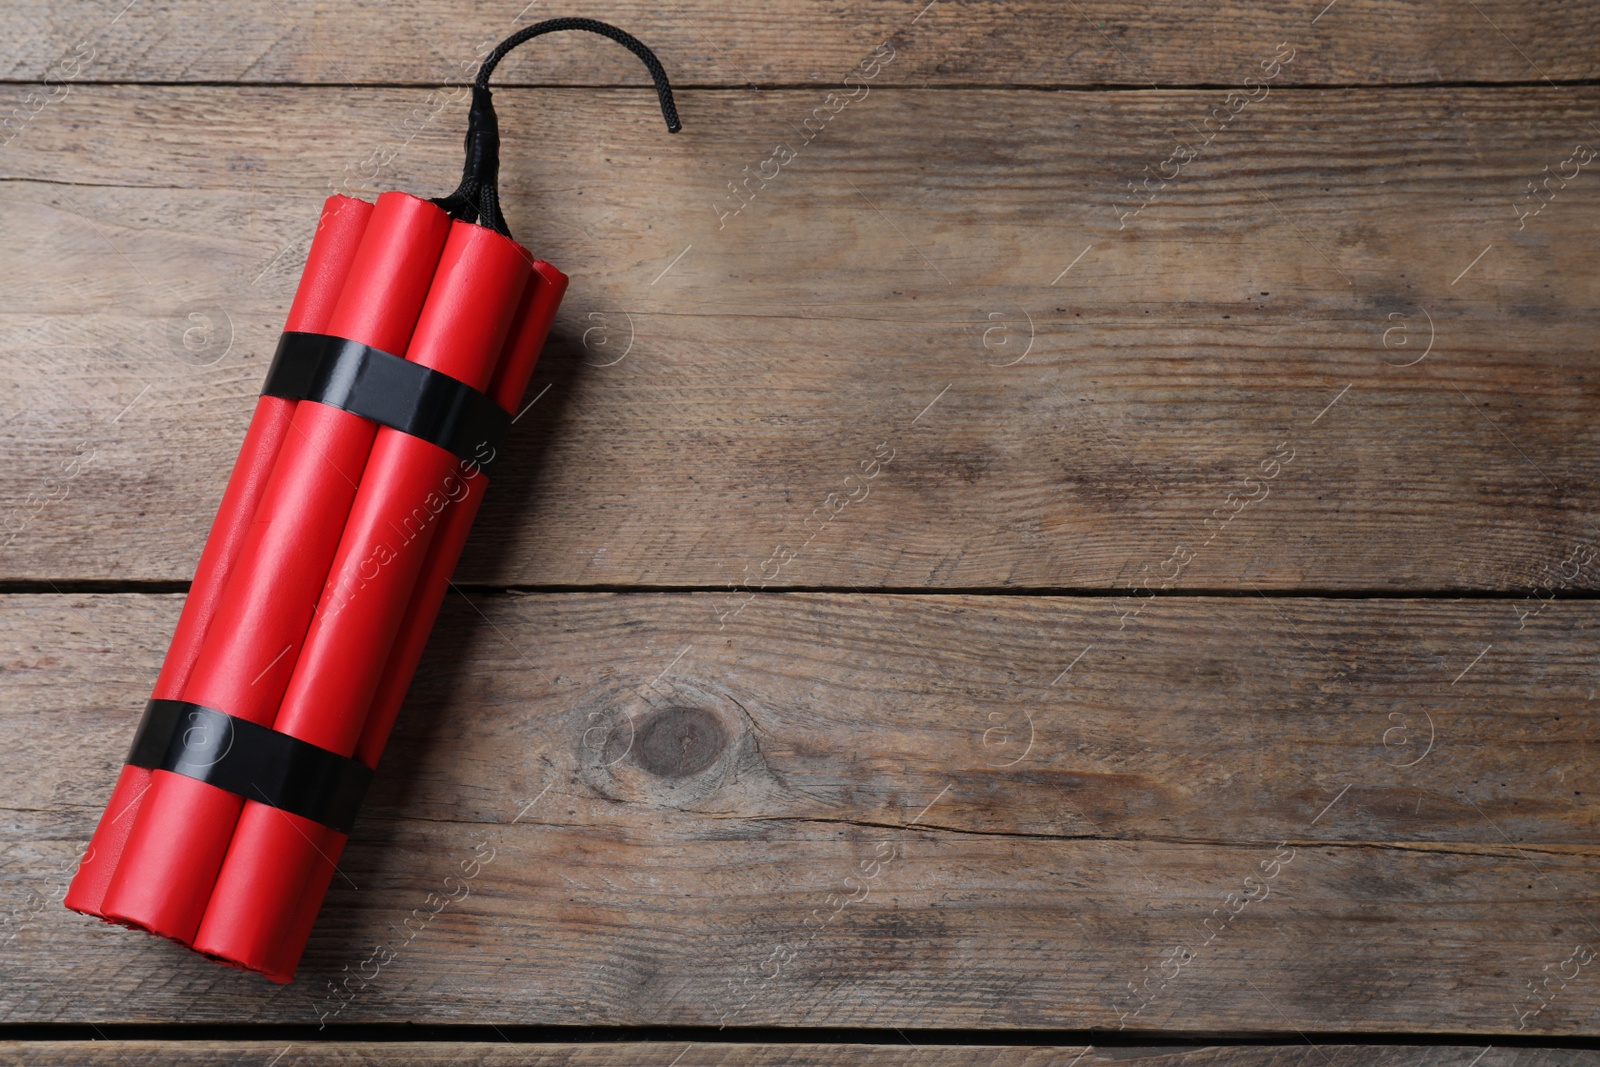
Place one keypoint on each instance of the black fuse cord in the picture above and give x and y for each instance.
(477, 198)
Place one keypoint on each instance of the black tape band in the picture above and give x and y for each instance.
(254, 761)
(390, 391)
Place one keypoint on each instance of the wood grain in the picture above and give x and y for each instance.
(793, 43)
(945, 330)
(657, 1054)
(1056, 422)
(679, 812)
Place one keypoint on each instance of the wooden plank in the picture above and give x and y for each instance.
(1071, 399)
(610, 1054)
(1218, 815)
(795, 43)
(658, 1053)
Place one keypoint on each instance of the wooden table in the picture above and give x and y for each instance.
(1062, 526)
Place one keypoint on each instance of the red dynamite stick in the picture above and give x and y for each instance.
(515, 368)
(510, 382)
(407, 482)
(181, 834)
(328, 263)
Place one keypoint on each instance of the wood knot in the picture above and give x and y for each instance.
(679, 742)
(672, 748)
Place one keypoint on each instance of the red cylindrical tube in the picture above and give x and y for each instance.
(477, 292)
(510, 382)
(405, 486)
(523, 345)
(285, 958)
(178, 840)
(328, 263)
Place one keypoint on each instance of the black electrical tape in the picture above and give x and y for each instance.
(390, 391)
(254, 761)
